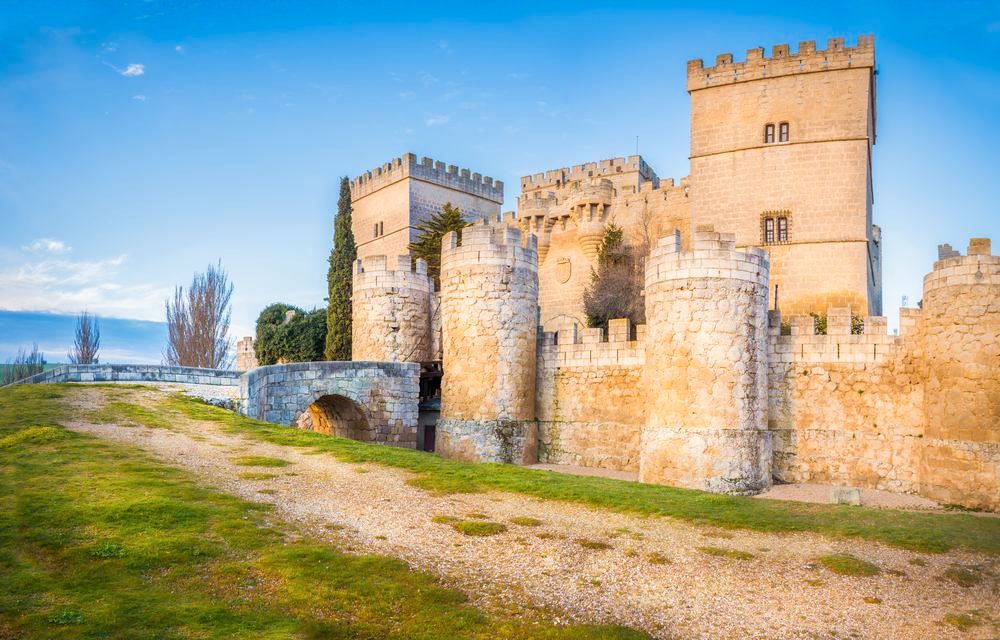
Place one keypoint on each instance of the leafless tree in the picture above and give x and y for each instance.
(615, 289)
(88, 340)
(25, 365)
(198, 322)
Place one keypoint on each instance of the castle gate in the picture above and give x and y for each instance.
(368, 401)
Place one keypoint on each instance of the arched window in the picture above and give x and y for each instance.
(783, 132)
(768, 133)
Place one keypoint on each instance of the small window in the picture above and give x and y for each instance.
(768, 133)
(768, 230)
(375, 231)
(783, 132)
(782, 229)
(381, 228)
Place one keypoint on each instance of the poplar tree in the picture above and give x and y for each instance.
(338, 280)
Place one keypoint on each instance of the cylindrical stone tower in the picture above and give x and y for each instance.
(706, 366)
(960, 323)
(489, 311)
(391, 311)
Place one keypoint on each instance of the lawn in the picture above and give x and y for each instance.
(99, 541)
(926, 532)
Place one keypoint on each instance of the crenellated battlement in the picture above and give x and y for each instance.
(713, 256)
(489, 244)
(977, 267)
(782, 62)
(430, 170)
(621, 346)
(378, 272)
(845, 341)
(556, 178)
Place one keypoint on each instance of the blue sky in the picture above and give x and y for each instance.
(140, 141)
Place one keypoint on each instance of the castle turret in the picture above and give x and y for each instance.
(391, 309)
(960, 321)
(489, 307)
(706, 366)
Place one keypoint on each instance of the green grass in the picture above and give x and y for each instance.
(848, 565)
(257, 475)
(596, 545)
(445, 519)
(658, 558)
(260, 461)
(98, 540)
(962, 621)
(963, 577)
(925, 532)
(478, 528)
(118, 412)
(721, 552)
(526, 521)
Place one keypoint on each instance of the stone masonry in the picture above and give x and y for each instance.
(706, 366)
(489, 298)
(391, 311)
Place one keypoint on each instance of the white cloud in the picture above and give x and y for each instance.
(139, 98)
(69, 286)
(133, 70)
(435, 121)
(179, 48)
(427, 79)
(48, 244)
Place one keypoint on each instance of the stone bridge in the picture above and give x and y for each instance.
(367, 401)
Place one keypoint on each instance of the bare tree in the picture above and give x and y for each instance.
(25, 365)
(615, 289)
(198, 322)
(88, 340)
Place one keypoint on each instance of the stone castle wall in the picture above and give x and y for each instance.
(489, 293)
(706, 366)
(590, 398)
(391, 310)
(246, 356)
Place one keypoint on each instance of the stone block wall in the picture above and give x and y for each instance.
(391, 307)
(489, 294)
(372, 401)
(246, 355)
(590, 398)
(135, 373)
(706, 366)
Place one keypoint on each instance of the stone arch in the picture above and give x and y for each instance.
(338, 415)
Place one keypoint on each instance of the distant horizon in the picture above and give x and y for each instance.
(123, 340)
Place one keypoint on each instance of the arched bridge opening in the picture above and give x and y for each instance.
(367, 401)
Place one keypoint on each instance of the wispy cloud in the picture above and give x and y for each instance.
(139, 98)
(517, 76)
(70, 286)
(426, 79)
(407, 95)
(134, 70)
(437, 120)
(180, 48)
(47, 244)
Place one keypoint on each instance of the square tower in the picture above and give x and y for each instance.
(781, 155)
(390, 201)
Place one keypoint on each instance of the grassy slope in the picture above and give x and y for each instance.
(98, 541)
(929, 532)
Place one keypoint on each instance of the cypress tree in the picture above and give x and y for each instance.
(430, 232)
(338, 279)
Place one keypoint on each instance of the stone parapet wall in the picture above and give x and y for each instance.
(385, 393)
(782, 62)
(391, 308)
(706, 366)
(507, 441)
(135, 373)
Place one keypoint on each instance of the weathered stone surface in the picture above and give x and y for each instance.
(846, 495)
(391, 310)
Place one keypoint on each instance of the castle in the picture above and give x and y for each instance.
(730, 384)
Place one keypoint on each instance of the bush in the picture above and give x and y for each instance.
(290, 337)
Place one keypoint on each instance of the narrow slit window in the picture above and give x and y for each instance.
(381, 228)
(768, 133)
(783, 132)
(782, 229)
(375, 231)
(768, 230)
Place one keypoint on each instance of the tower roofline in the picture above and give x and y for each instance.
(782, 62)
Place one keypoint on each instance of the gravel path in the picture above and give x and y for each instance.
(680, 592)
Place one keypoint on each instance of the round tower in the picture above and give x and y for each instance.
(706, 366)
(489, 311)
(960, 323)
(391, 311)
